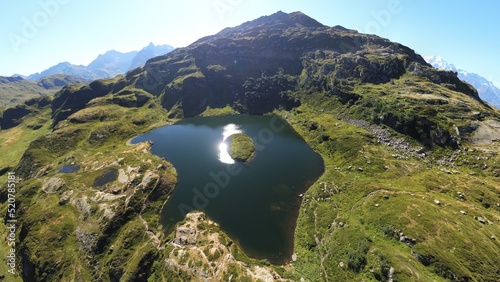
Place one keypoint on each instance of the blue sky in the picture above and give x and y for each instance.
(37, 34)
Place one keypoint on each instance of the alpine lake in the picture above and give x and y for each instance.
(257, 202)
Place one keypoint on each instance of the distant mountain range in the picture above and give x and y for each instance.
(19, 88)
(15, 90)
(109, 64)
(486, 89)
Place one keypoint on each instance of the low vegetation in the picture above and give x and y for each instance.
(242, 147)
(352, 219)
(16, 90)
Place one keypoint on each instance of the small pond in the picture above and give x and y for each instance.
(69, 168)
(108, 176)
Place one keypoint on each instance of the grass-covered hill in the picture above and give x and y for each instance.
(410, 190)
(16, 90)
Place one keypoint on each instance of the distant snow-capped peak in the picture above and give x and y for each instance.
(486, 89)
(438, 62)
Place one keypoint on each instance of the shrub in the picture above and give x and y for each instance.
(356, 260)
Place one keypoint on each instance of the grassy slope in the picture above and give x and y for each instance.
(13, 144)
(219, 111)
(14, 141)
(455, 244)
(88, 144)
(15, 93)
(412, 186)
(345, 218)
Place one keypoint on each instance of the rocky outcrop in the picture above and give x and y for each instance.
(376, 67)
(53, 185)
(488, 132)
(448, 79)
(385, 137)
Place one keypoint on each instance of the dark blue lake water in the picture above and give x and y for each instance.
(257, 203)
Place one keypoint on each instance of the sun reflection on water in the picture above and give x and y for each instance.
(228, 130)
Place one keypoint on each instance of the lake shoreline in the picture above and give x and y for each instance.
(256, 205)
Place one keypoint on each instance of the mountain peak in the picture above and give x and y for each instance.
(284, 20)
(151, 46)
(304, 20)
(149, 52)
(63, 64)
(278, 21)
(113, 53)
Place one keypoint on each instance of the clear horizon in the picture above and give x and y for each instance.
(41, 34)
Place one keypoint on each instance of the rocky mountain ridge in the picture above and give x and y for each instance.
(109, 64)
